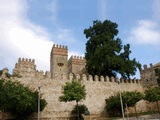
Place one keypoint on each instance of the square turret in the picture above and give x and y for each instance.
(58, 60)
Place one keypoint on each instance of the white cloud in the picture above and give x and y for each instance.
(20, 38)
(146, 32)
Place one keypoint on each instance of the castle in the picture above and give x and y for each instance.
(62, 70)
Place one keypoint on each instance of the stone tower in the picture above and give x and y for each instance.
(25, 67)
(76, 64)
(58, 60)
(148, 76)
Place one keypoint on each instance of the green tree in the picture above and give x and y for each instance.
(105, 53)
(152, 94)
(73, 91)
(18, 99)
(113, 105)
(131, 98)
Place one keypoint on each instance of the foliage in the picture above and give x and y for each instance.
(73, 91)
(113, 105)
(81, 108)
(152, 94)
(131, 98)
(18, 99)
(105, 54)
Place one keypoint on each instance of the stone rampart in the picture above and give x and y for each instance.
(97, 88)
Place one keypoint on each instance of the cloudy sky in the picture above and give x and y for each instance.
(29, 28)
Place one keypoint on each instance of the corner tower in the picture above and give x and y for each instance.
(58, 60)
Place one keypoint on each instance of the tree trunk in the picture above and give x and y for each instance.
(136, 111)
(77, 109)
(157, 106)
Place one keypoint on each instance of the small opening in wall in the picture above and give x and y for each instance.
(60, 64)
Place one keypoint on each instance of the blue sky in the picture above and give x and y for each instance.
(29, 28)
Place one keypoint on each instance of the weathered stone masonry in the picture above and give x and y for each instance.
(63, 70)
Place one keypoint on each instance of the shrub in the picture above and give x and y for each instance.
(18, 99)
(82, 110)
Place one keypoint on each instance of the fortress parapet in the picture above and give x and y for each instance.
(89, 78)
(59, 50)
(76, 64)
(25, 67)
(148, 76)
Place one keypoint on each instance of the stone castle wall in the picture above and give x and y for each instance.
(62, 70)
(98, 89)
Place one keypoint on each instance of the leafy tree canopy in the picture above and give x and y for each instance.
(131, 98)
(152, 94)
(18, 99)
(73, 91)
(113, 105)
(105, 53)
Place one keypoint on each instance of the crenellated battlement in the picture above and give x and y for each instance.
(147, 68)
(26, 60)
(76, 64)
(25, 67)
(59, 46)
(148, 75)
(77, 57)
(59, 50)
(88, 78)
(43, 75)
